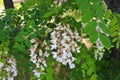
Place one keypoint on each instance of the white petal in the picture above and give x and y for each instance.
(1, 64)
(10, 78)
(72, 66)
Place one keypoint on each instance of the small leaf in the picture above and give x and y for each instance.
(114, 34)
(113, 21)
(118, 45)
(19, 38)
(49, 77)
(89, 71)
(108, 13)
(51, 63)
(3, 36)
(3, 60)
(50, 70)
(78, 60)
(87, 17)
(114, 28)
(48, 14)
(105, 41)
(21, 47)
(83, 65)
(104, 28)
(94, 37)
(27, 43)
(90, 27)
(81, 4)
(74, 73)
(115, 39)
(93, 77)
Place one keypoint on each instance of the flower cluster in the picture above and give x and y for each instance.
(37, 56)
(64, 43)
(59, 2)
(100, 50)
(11, 68)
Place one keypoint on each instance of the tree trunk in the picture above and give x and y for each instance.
(8, 4)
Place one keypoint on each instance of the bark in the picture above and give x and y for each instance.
(8, 4)
(114, 5)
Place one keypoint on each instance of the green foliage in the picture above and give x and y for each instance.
(37, 19)
(105, 41)
(114, 27)
(90, 27)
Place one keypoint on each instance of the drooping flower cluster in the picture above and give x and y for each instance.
(64, 43)
(59, 2)
(100, 50)
(37, 56)
(11, 68)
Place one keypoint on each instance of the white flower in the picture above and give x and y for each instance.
(64, 40)
(1, 64)
(37, 56)
(53, 46)
(36, 73)
(10, 78)
(59, 2)
(11, 68)
(100, 50)
(72, 66)
(78, 50)
(40, 52)
(33, 41)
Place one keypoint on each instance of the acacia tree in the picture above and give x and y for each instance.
(47, 38)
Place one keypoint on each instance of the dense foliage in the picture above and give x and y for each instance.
(54, 39)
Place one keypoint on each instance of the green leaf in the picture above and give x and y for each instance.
(94, 37)
(104, 28)
(49, 77)
(87, 16)
(78, 60)
(114, 28)
(108, 13)
(83, 65)
(118, 45)
(74, 73)
(3, 60)
(27, 43)
(82, 6)
(48, 14)
(19, 38)
(89, 71)
(29, 29)
(50, 70)
(93, 77)
(113, 21)
(3, 36)
(21, 47)
(115, 39)
(4, 54)
(51, 63)
(105, 41)
(90, 27)
(99, 11)
(114, 34)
